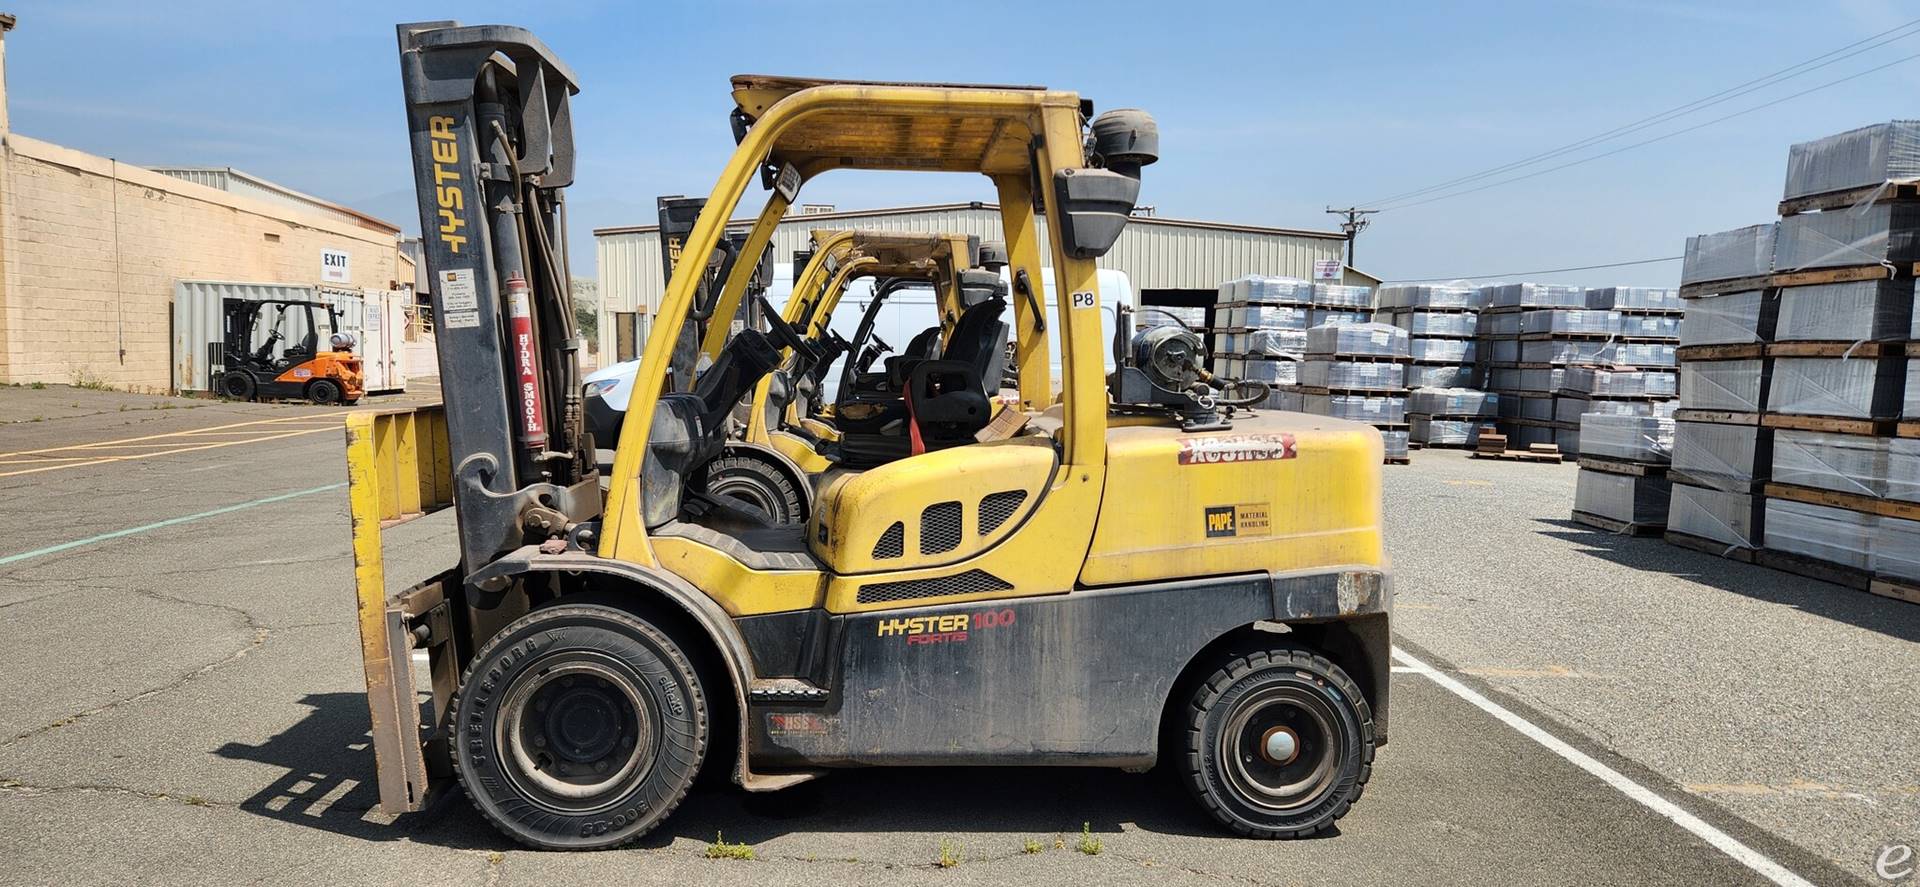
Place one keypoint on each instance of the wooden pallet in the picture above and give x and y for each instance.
(1606, 465)
(1746, 488)
(1861, 350)
(1830, 424)
(1535, 453)
(1739, 351)
(1814, 277)
(1360, 358)
(1399, 460)
(1716, 417)
(1714, 547)
(1548, 336)
(1898, 589)
(1814, 568)
(1847, 501)
(1907, 429)
(1850, 198)
(1619, 528)
(1359, 392)
(1892, 587)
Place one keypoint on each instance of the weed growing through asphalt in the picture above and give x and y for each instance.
(720, 849)
(1031, 846)
(949, 854)
(1089, 844)
(38, 386)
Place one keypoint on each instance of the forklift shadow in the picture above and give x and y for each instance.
(329, 784)
(1826, 600)
(1035, 801)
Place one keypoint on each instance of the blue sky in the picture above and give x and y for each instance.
(1268, 111)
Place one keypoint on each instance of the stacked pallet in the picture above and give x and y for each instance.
(1623, 485)
(1260, 323)
(1356, 372)
(1441, 324)
(1450, 417)
(1533, 336)
(1791, 449)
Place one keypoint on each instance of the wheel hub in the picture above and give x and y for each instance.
(1279, 748)
(578, 734)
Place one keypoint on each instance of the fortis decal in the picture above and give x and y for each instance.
(950, 628)
(1235, 448)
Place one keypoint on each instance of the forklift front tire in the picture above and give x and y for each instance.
(1277, 743)
(578, 727)
(236, 386)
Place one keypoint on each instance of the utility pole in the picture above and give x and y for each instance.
(1356, 222)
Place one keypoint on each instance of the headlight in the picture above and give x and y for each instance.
(602, 388)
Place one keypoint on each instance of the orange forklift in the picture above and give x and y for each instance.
(299, 371)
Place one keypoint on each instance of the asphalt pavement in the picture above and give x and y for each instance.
(179, 702)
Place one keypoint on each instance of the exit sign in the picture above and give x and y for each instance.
(334, 267)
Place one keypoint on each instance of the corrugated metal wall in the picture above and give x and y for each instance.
(1153, 255)
(199, 328)
(235, 182)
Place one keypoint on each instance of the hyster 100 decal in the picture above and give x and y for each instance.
(1235, 448)
(950, 628)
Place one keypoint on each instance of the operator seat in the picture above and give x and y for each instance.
(948, 399)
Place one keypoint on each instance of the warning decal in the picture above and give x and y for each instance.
(1235, 448)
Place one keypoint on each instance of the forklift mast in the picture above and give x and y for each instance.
(492, 137)
(677, 217)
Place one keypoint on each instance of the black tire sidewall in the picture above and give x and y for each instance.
(1211, 713)
(666, 677)
(237, 386)
(767, 477)
(330, 389)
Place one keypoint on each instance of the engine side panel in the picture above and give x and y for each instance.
(1277, 492)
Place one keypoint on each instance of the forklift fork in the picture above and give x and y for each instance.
(398, 470)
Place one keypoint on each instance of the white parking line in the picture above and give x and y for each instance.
(1646, 797)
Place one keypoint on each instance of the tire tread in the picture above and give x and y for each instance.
(663, 643)
(1236, 667)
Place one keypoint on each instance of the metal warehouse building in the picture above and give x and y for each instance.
(1169, 261)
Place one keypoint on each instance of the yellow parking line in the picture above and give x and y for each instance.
(127, 440)
(41, 460)
(210, 446)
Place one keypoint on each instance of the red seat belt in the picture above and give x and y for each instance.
(913, 427)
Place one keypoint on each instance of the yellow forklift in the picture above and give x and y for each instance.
(784, 440)
(1144, 572)
(791, 412)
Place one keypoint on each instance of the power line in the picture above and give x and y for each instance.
(1544, 271)
(1724, 95)
(1660, 138)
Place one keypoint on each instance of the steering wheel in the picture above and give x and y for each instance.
(880, 345)
(785, 332)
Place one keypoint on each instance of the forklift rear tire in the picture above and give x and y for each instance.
(1278, 743)
(757, 485)
(236, 386)
(323, 391)
(579, 727)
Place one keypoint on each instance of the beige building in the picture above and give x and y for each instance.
(90, 250)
